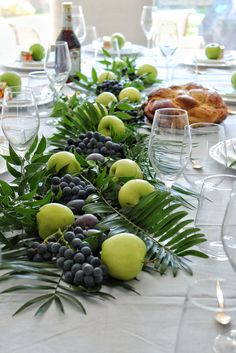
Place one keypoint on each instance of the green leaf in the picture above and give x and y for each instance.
(44, 307)
(59, 304)
(106, 53)
(14, 156)
(72, 299)
(41, 146)
(31, 302)
(94, 75)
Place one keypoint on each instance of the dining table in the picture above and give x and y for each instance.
(144, 321)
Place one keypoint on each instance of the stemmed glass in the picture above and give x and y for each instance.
(168, 43)
(147, 22)
(78, 22)
(57, 67)
(20, 118)
(169, 144)
(92, 39)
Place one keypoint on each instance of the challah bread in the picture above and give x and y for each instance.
(201, 104)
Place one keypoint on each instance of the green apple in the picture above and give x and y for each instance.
(106, 98)
(119, 64)
(124, 255)
(112, 126)
(37, 51)
(12, 79)
(213, 51)
(233, 80)
(131, 192)
(52, 217)
(125, 168)
(106, 75)
(61, 159)
(148, 70)
(130, 93)
(120, 40)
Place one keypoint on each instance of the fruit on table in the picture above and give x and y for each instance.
(120, 40)
(213, 51)
(233, 80)
(125, 168)
(131, 192)
(106, 98)
(12, 79)
(96, 157)
(99, 107)
(130, 93)
(106, 75)
(123, 254)
(112, 86)
(119, 63)
(87, 221)
(37, 51)
(61, 159)
(112, 126)
(52, 217)
(149, 70)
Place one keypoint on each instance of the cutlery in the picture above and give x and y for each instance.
(221, 317)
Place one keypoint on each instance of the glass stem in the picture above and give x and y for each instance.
(167, 70)
(149, 43)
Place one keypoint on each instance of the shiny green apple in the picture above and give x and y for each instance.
(233, 80)
(106, 75)
(52, 217)
(131, 192)
(106, 98)
(37, 51)
(61, 159)
(213, 51)
(125, 168)
(149, 70)
(120, 38)
(124, 255)
(130, 93)
(112, 126)
(12, 79)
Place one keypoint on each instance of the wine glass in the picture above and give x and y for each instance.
(58, 65)
(201, 327)
(169, 144)
(204, 136)
(168, 43)
(78, 22)
(214, 197)
(147, 22)
(20, 118)
(92, 39)
(42, 91)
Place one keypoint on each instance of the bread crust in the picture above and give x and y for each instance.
(201, 104)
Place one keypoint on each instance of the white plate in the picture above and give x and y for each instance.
(228, 61)
(217, 152)
(19, 65)
(127, 50)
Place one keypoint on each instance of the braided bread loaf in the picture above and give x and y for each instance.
(201, 104)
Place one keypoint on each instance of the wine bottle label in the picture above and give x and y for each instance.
(75, 61)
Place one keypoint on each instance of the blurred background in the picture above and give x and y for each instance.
(27, 21)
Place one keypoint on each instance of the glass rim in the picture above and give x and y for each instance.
(59, 42)
(205, 124)
(195, 299)
(230, 176)
(35, 73)
(163, 110)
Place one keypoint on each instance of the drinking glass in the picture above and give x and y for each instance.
(58, 65)
(214, 197)
(201, 165)
(147, 22)
(201, 327)
(168, 43)
(169, 144)
(92, 39)
(42, 91)
(20, 119)
(78, 22)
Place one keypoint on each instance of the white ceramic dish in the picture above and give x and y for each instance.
(228, 61)
(19, 65)
(218, 152)
(128, 50)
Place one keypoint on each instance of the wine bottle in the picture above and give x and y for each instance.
(67, 34)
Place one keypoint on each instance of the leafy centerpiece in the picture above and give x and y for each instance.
(90, 213)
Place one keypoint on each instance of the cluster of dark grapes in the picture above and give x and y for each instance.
(75, 258)
(73, 191)
(137, 114)
(112, 86)
(94, 142)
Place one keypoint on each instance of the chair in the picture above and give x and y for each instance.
(25, 35)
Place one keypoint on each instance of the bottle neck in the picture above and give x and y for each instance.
(67, 20)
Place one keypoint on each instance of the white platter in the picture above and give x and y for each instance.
(19, 65)
(201, 61)
(128, 50)
(219, 153)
